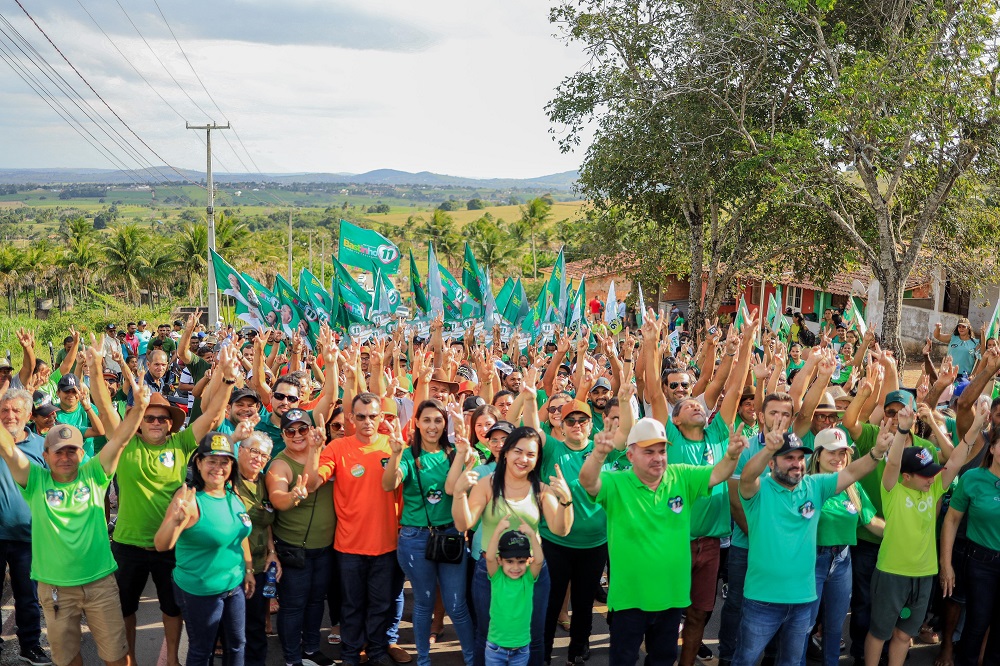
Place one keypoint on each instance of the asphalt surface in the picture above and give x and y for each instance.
(150, 648)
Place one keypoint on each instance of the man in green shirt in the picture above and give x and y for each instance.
(75, 409)
(151, 469)
(649, 512)
(167, 343)
(71, 556)
(782, 515)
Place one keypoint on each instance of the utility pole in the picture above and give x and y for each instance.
(322, 262)
(310, 252)
(213, 291)
(289, 247)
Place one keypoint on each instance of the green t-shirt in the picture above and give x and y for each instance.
(147, 478)
(69, 537)
(651, 526)
(169, 346)
(710, 515)
(840, 519)
(872, 483)
(197, 367)
(795, 365)
(978, 496)
(783, 522)
(511, 602)
(597, 419)
(908, 545)
(617, 461)
(590, 524)
(748, 430)
(78, 418)
(739, 538)
(210, 552)
(433, 471)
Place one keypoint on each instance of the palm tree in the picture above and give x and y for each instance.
(230, 233)
(76, 229)
(534, 217)
(440, 230)
(80, 263)
(159, 271)
(191, 246)
(11, 266)
(125, 253)
(492, 245)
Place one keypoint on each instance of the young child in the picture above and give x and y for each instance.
(513, 572)
(912, 483)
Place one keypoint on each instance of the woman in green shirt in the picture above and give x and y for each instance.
(422, 468)
(978, 497)
(209, 526)
(838, 526)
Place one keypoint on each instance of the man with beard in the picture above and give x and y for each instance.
(244, 405)
(598, 400)
(782, 512)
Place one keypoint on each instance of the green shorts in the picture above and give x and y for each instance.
(898, 602)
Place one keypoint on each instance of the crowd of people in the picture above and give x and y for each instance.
(777, 483)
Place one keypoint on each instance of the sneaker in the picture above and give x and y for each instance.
(601, 595)
(35, 656)
(398, 654)
(317, 658)
(725, 590)
(333, 639)
(705, 653)
(814, 650)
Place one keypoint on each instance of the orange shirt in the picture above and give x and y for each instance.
(367, 516)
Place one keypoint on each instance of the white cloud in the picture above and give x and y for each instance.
(438, 85)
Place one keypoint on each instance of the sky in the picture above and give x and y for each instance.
(449, 86)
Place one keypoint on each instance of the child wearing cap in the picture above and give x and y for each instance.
(912, 484)
(513, 572)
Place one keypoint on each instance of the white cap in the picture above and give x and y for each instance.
(831, 439)
(647, 432)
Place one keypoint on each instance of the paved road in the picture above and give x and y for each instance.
(150, 640)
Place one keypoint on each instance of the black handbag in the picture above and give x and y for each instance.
(294, 557)
(442, 547)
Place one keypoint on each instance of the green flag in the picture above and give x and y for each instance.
(532, 324)
(575, 318)
(291, 320)
(435, 288)
(455, 301)
(233, 285)
(367, 249)
(557, 286)
(270, 306)
(504, 296)
(419, 296)
(318, 304)
(741, 314)
(517, 306)
(854, 318)
(472, 278)
(640, 315)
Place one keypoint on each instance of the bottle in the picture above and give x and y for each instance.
(270, 589)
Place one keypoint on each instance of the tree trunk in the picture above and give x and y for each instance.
(696, 222)
(891, 282)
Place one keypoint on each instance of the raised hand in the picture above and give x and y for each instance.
(300, 490)
(884, 439)
(317, 435)
(904, 418)
(465, 482)
(141, 398)
(604, 443)
(774, 440)
(396, 443)
(559, 487)
(183, 506)
(737, 444)
(26, 338)
(245, 428)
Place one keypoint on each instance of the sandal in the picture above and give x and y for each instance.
(564, 624)
(436, 636)
(928, 636)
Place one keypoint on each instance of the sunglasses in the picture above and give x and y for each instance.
(577, 421)
(284, 397)
(336, 427)
(555, 410)
(366, 417)
(156, 419)
(257, 453)
(674, 385)
(292, 432)
(891, 413)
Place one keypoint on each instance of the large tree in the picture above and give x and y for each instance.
(879, 117)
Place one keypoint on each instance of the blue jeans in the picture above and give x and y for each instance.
(27, 612)
(366, 612)
(982, 605)
(498, 656)
(301, 593)
(729, 626)
(426, 576)
(631, 626)
(864, 556)
(481, 594)
(398, 581)
(762, 621)
(205, 618)
(833, 589)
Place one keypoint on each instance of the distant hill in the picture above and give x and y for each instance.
(556, 181)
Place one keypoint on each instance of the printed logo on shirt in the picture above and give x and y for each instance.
(807, 510)
(676, 504)
(709, 457)
(384, 461)
(167, 458)
(358, 471)
(268, 506)
(434, 495)
(849, 505)
(55, 498)
(82, 494)
(245, 518)
(922, 506)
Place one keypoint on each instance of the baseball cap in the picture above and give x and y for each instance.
(389, 406)
(472, 403)
(646, 432)
(5, 364)
(68, 383)
(295, 416)
(503, 426)
(514, 544)
(216, 444)
(111, 374)
(244, 392)
(831, 439)
(42, 404)
(603, 383)
(564, 368)
(918, 460)
(904, 398)
(792, 442)
(964, 321)
(577, 406)
(61, 436)
(111, 327)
